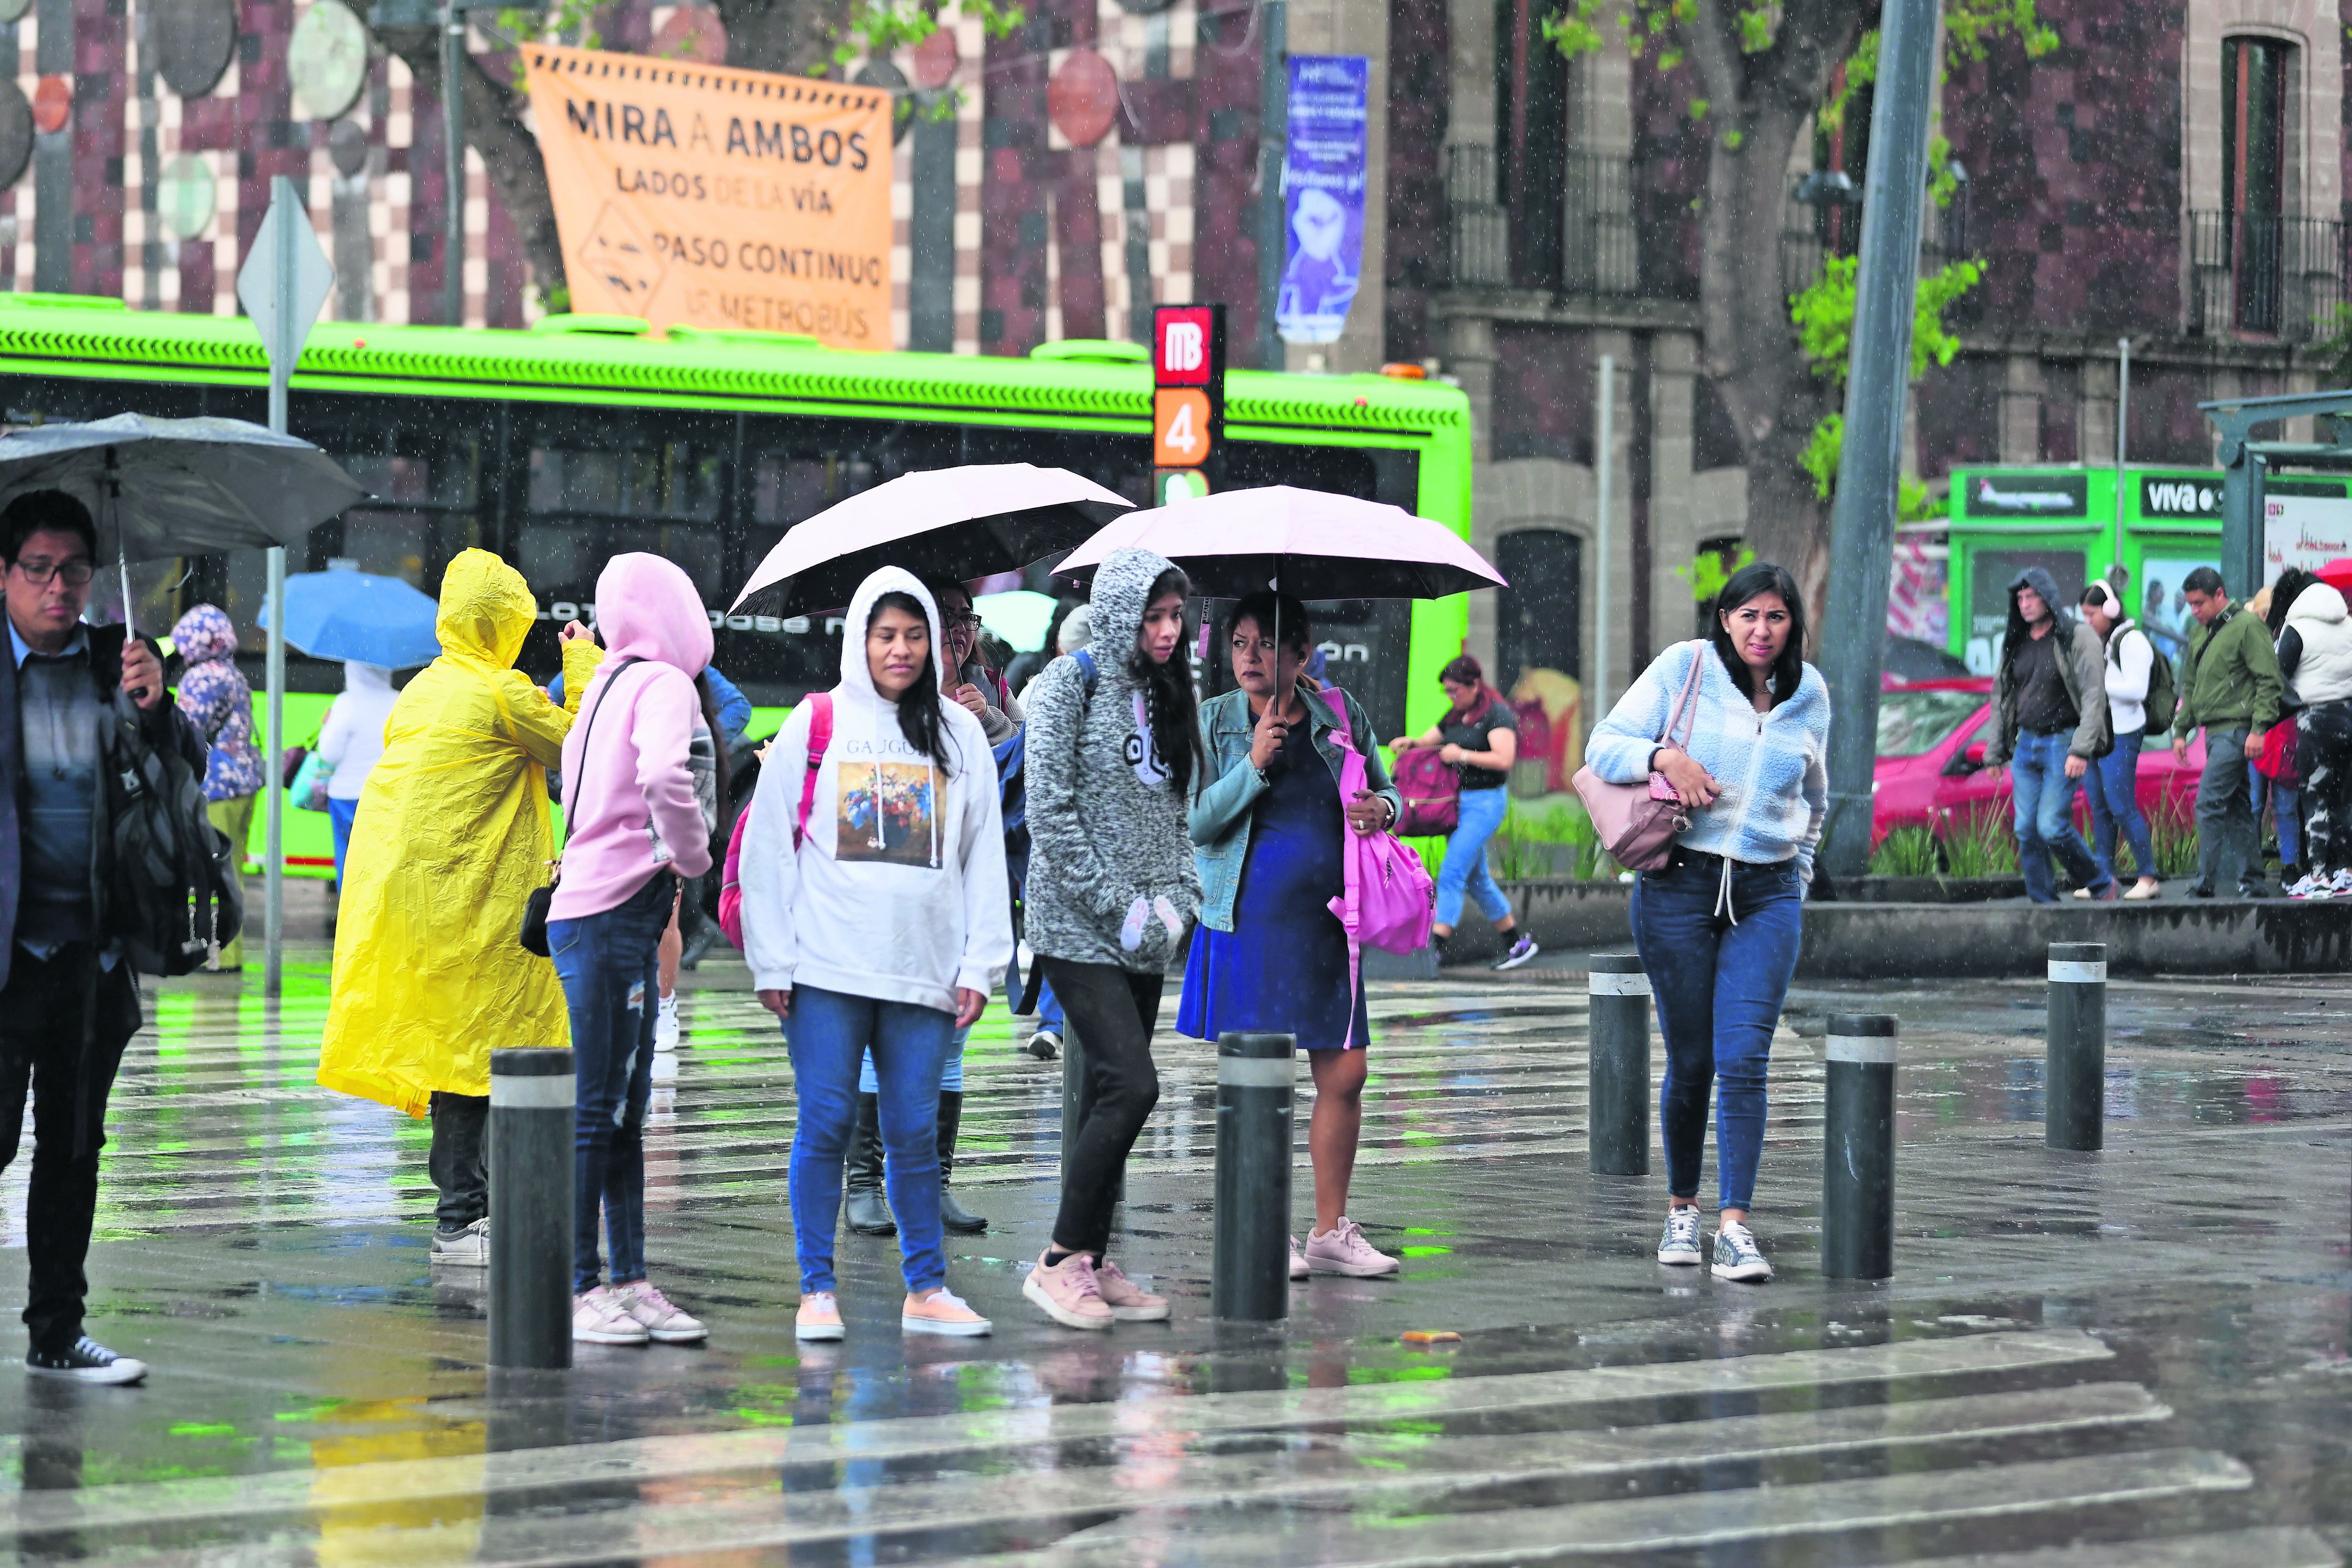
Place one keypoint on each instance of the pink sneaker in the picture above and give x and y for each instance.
(819, 1317)
(941, 1312)
(1067, 1292)
(1128, 1302)
(1342, 1249)
(1298, 1270)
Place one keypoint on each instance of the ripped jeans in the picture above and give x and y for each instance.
(607, 962)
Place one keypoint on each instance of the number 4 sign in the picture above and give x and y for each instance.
(1180, 427)
(1188, 373)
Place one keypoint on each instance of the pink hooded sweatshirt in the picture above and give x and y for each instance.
(632, 802)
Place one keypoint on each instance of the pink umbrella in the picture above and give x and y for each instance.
(961, 522)
(1309, 543)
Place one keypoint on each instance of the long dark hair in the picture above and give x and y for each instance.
(1753, 582)
(2291, 582)
(1168, 693)
(920, 719)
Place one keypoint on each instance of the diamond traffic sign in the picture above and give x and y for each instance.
(285, 280)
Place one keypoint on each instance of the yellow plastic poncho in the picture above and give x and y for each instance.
(452, 836)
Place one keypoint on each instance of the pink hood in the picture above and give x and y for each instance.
(628, 791)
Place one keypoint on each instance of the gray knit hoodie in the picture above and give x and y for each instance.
(1111, 877)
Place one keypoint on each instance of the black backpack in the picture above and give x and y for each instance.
(172, 897)
(2163, 691)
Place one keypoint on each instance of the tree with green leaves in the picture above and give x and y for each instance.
(795, 37)
(1763, 74)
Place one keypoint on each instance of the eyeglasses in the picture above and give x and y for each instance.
(77, 572)
(960, 623)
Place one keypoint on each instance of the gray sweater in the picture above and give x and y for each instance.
(1102, 839)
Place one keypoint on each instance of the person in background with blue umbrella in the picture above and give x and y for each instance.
(217, 700)
(351, 744)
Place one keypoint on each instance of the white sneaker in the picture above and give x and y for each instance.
(1737, 1255)
(1679, 1245)
(599, 1317)
(671, 1325)
(2310, 887)
(467, 1248)
(666, 1023)
(2339, 884)
(2081, 892)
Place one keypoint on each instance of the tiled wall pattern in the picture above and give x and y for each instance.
(1053, 239)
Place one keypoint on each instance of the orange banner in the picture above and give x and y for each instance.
(698, 196)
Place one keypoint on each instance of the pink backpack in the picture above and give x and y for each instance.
(731, 881)
(1388, 895)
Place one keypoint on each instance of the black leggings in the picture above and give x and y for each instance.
(1113, 1012)
(2324, 757)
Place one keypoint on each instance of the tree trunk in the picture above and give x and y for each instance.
(1758, 105)
(495, 129)
(794, 37)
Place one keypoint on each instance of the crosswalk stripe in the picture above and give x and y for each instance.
(1153, 1421)
(2290, 1546)
(1386, 1471)
(1688, 1522)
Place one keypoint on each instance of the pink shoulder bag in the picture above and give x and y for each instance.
(1638, 824)
(1387, 898)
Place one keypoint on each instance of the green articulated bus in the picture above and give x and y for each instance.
(560, 446)
(2068, 521)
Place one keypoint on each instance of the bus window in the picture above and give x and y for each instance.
(1991, 572)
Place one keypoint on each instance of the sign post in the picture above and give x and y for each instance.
(285, 281)
(1188, 398)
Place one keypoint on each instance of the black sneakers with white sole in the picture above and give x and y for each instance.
(86, 1361)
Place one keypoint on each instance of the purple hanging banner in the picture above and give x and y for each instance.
(1323, 195)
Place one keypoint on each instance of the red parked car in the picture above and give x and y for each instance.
(1931, 745)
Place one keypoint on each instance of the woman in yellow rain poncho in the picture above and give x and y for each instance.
(452, 837)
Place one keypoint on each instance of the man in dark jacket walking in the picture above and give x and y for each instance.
(2049, 723)
(2229, 683)
(68, 1001)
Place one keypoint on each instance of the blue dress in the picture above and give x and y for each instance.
(1284, 966)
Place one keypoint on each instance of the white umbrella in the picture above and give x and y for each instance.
(961, 522)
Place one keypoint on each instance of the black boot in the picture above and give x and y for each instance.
(867, 1214)
(953, 1214)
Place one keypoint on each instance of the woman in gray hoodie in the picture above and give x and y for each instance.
(1114, 749)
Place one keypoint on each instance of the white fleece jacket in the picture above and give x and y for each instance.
(899, 892)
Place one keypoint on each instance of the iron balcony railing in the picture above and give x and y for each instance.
(2262, 275)
(1597, 253)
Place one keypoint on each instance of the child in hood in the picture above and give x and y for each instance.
(217, 700)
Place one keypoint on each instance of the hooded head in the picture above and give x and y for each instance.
(1077, 631)
(1122, 592)
(647, 607)
(203, 635)
(358, 677)
(485, 610)
(2041, 583)
(855, 674)
(2320, 602)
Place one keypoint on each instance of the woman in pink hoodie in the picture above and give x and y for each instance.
(633, 828)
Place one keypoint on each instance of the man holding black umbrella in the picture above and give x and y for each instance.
(68, 1001)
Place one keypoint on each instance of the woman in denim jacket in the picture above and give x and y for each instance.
(1267, 829)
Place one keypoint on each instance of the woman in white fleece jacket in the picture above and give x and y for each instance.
(884, 925)
(1718, 928)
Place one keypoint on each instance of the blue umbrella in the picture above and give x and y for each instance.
(359, 615)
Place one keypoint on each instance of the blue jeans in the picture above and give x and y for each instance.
(1480, 813)
(2112, 786)
(2286, 811)
(1719, 987)
(608, 964)
(950, 1070)
(828, 1033)
(341, 815)
(2045, 817)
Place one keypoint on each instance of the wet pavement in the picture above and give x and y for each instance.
(2134, 1357)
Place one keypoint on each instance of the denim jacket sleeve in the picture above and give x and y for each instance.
(1223, 803)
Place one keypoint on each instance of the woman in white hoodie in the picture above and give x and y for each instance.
(2315, 656)
(876, 916)
(351, 744)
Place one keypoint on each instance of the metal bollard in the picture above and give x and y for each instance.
(1858, 1149)
(530, 1161)
(2075, 1070)
(1249, 1273)
(1618, 1081)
